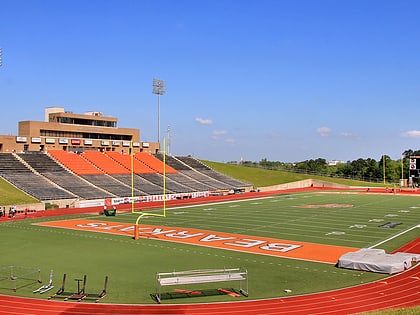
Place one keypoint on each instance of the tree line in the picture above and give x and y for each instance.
(384, 169)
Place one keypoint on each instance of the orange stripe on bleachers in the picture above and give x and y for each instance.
(154, 163)
(125, 160)
(105, 162)
(74, 162)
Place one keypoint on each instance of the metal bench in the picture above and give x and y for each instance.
(200, 276)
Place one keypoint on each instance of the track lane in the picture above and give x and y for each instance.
(394, 292)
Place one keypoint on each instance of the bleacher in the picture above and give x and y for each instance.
(197, 165)
(55, 172)
(197, 171)
(105, 163)
(154, 163)
(142, 186)
(110, 184)
(171, 186)
(17, 173)
(190, 182)
(96, 175)
(74, 162)
(126, 160)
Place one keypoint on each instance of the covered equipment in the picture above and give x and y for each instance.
(376, 260)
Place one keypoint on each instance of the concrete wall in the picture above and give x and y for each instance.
(302, 184)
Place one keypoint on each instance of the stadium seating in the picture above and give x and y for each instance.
(126, 160)
(105, 163)
(154, 163)
(17, 173)
(55, 172)
(97, 175)
(74, 162)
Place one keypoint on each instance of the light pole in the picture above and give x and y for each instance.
(159, 89)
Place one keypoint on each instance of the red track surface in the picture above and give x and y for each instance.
(401, 290)
(396, 291)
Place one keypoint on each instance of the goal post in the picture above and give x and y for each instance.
(143, 214)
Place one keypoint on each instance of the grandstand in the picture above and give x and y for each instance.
(88, 157)
(95, 175)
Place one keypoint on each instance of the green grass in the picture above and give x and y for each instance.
(261, 177)
(402, 311)
(10, 195)
(132, 265)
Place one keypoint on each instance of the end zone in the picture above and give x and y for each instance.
(235, 242)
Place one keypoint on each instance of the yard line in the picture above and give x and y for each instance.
(396, 235)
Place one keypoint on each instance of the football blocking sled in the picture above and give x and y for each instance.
(46, 287)
(81, 292)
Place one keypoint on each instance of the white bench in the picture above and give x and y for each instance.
(200, 276)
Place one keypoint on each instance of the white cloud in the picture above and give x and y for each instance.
(411, 134)
(230, 140)
(323, 131)
(204, 121)
(346, 134)
(219, 132)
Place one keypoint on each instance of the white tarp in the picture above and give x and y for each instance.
(376, 260)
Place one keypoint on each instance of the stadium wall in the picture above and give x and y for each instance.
(302, 184)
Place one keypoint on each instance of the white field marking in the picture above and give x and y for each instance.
(358, 226)
(198, 205)
(395, 236)
(217, 203)
(335, 233)
(376, 220)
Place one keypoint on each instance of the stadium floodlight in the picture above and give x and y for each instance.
(159, 89)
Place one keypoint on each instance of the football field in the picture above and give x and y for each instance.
(280, 226)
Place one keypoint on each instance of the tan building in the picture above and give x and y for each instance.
(75, 132)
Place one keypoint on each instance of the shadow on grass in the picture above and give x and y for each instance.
(181, 294)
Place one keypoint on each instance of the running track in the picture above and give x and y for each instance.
(400, 290)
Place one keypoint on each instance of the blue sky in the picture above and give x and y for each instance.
(251, 79)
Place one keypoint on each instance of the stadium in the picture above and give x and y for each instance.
(117, 226)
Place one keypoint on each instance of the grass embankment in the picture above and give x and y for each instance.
(402, 311)
(10, 195)
(261, 177)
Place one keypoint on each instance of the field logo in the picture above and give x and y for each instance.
(229, 241)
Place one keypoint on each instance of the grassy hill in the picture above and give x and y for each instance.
(261, 177)
(10, 195)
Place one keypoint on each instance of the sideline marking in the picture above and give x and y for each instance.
(396, 235)
(236, 242)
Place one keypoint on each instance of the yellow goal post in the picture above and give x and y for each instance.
(141, 213)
